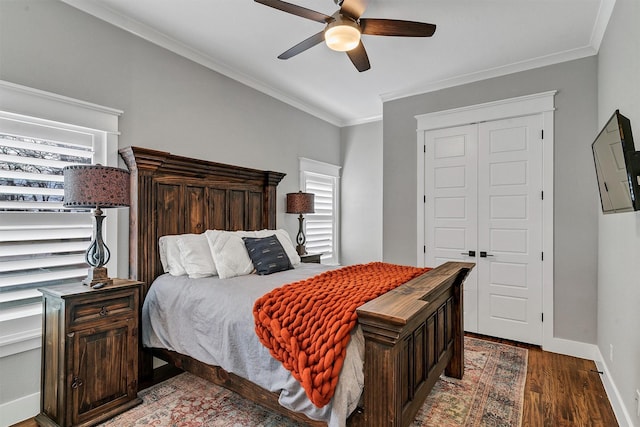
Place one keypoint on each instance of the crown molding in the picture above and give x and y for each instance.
(597, 34)
(602, 20)
(362, 121)
(515, 67)
(95, 8)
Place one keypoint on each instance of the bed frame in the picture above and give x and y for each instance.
(412, 334)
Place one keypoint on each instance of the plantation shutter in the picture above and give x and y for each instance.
(321, 226)
(41, 243)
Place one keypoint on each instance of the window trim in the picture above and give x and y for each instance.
(49, 109)
(307, 165)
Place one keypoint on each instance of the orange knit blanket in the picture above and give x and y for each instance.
(306, 325)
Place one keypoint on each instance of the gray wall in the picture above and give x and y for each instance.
(169, 103)
(361, 225)
(575, 216)
(619, 234)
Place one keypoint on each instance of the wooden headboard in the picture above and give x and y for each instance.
(174, 195)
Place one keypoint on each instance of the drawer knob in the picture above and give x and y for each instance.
(104, 311)
(77, 382)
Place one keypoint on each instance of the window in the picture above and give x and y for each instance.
(321, 227)
(42, 243)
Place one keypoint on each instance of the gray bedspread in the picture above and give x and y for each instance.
(211, 320)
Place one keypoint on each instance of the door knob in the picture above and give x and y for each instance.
(483, 254)
(470, 253)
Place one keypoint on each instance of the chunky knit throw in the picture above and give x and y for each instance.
(306, 325)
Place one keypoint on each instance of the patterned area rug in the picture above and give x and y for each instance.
(490, 394)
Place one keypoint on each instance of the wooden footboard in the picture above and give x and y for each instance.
(412, 334)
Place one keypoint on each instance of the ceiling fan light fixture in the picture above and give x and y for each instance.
(342, 35)
(345, 27)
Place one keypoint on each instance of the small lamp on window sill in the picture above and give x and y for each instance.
(300, 203)
(96, 187)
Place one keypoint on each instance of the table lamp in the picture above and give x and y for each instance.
(96, 187)
(300, 203)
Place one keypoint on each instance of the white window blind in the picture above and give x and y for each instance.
(41, 243)
(321, 227)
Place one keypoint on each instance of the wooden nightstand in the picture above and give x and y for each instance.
(89, 353)
(313, 258)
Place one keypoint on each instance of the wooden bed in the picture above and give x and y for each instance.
(412, 334)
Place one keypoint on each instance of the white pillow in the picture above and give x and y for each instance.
(196, 256)
(162, 250)
(170, 255)
(285, 241)
(229, 253)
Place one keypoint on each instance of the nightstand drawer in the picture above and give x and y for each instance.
(116, 305)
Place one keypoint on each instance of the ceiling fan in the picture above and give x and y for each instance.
(344, 28)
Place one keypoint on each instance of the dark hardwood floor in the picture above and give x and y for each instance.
(564, 391)
(561, 391)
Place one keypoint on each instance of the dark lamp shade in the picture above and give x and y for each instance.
(300, 203)
(91, 186)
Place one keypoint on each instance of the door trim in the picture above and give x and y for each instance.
(539, 103)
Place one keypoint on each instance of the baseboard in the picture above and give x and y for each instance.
(623, 416)
(571, 348)
(20, 409)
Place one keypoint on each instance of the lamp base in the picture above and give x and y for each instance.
(97, 278)
(300, 238)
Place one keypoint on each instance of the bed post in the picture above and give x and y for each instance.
(455, 367)
(270, 200)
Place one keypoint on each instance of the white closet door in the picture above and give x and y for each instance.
(510, 228)
(451, 205)
(483, 187)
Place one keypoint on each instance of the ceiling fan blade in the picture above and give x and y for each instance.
(303, 45)
(395, 27)
(297, 10)
(359, 57)
(353, 8)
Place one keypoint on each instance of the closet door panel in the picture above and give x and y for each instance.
(451, 205)
(510, 228)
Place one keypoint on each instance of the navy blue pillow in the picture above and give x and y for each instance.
(267, 254)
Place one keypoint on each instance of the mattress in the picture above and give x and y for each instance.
(211, 320)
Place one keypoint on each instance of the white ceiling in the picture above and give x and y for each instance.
(474, 39)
